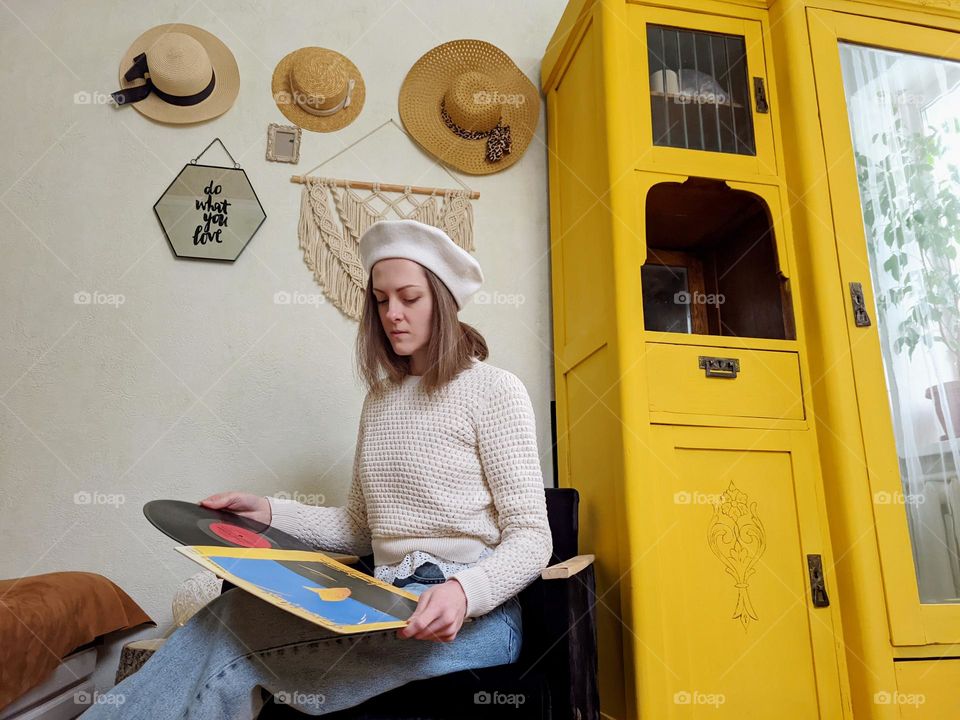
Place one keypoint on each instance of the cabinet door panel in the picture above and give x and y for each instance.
(740, 517)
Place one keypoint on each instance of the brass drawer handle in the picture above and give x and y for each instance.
(719, 367)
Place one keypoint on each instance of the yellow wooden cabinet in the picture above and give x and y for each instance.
(723, 226)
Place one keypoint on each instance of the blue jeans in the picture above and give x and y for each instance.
(214, 666)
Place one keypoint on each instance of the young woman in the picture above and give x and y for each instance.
(446, 493)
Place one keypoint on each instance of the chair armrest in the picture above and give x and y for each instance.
(567, 568)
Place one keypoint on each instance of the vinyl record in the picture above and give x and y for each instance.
(192, 524)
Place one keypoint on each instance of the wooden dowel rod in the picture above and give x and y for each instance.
(386, 187)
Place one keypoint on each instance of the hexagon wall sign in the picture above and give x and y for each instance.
(209, 212)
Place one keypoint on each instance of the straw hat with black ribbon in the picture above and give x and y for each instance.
(469, 105)
(178, 73)
(318, 89)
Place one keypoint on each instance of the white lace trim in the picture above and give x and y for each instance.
(411, 561)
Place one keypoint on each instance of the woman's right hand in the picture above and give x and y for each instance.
(248, 505)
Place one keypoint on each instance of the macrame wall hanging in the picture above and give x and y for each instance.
(334, 213)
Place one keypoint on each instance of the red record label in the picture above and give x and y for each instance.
(239, 536)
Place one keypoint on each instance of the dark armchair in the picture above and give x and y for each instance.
(557, 669)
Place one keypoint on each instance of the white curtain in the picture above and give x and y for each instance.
(892, 100)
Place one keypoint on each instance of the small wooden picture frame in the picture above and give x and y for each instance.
(691, 270)
(283, 143)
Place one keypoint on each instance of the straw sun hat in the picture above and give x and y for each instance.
(468, 104)
(178, 73)
(318, 89)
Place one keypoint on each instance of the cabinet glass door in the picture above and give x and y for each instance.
(698, 90)
(701, 94)
(904, 114)
(889, 96)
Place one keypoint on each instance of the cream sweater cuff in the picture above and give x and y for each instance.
(476, 586)
(284, 515)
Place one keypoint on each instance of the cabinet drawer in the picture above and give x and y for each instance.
(926, 689)
(766, 383)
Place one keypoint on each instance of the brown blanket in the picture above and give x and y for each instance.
(44, 617)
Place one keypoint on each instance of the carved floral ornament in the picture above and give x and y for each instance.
(736, 536)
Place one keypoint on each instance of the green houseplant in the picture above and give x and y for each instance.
(913, 226)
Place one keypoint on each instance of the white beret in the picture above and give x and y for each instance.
(425, 244)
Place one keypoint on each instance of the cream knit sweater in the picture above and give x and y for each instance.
(449, 476)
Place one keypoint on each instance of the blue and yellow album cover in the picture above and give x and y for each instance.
(310, 585)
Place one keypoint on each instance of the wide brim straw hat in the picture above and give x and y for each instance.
(183, 62)
(318, 89)
(468, 104)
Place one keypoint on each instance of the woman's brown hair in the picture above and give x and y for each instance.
(451, 347)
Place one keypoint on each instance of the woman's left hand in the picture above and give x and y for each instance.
(439, 614)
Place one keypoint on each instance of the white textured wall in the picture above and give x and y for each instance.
(198, 382)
